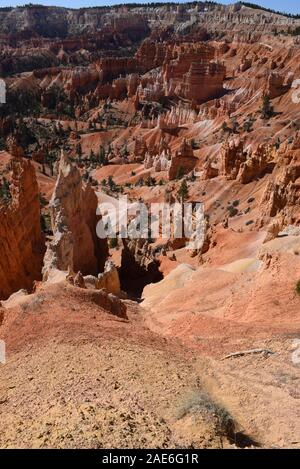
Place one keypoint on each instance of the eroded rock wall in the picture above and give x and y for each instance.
(75, 245)
(21, 239)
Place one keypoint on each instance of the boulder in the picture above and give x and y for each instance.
(109, 279)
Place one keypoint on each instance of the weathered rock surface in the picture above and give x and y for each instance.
(183, 161)
(246, 165)
(21, 239)
(109, 279)
(189, 71)
(73, 216)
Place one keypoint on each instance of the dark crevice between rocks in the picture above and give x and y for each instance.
(138, 268)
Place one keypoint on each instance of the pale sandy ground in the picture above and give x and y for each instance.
(78, 377)
(225, 308)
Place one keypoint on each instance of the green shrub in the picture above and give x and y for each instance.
(232, 211)
(183, 191)
(267, 110)
(113, 243)
(180, 172)
(5, 194)
(45, 221)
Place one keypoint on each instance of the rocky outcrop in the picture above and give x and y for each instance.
(150, 54)
(160, 162)
(21, 239)
(209, 170)
(73, 217)
(139, 149)
(109, 279)
(232, 156)
(158, 157)
(246, 165)
(282, 196)
(258, 163)
(14, 149)
(190, 72)
(113, 67)
(203, 81)
(183, 162)
(277, 85)
(245, 64)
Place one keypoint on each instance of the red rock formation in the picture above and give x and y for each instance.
(232, 156)
(203, 81)
(21, 239)
(245, 64)
(139, 150)
(209, 171)
(109, 279)
(282, 196)
(189, 72)
(13, 148)
(183, 161)
(245, 166)
(132, 84)
(259, 163)
(150, 54)
(113, 67)
(276, 85)
(75, 244)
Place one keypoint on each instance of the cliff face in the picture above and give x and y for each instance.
(21, 240)
(189, 72)
(73, 207)
(53, 22)
(151, 54)
(203, 81)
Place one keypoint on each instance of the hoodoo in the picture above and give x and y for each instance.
(73, 209)
(21, 238)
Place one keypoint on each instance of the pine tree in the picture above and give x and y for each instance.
(183, 191)
(180, 173)
(79, 150)
(102, 159)
(267, 110)
(92, 156)
(111, 183)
